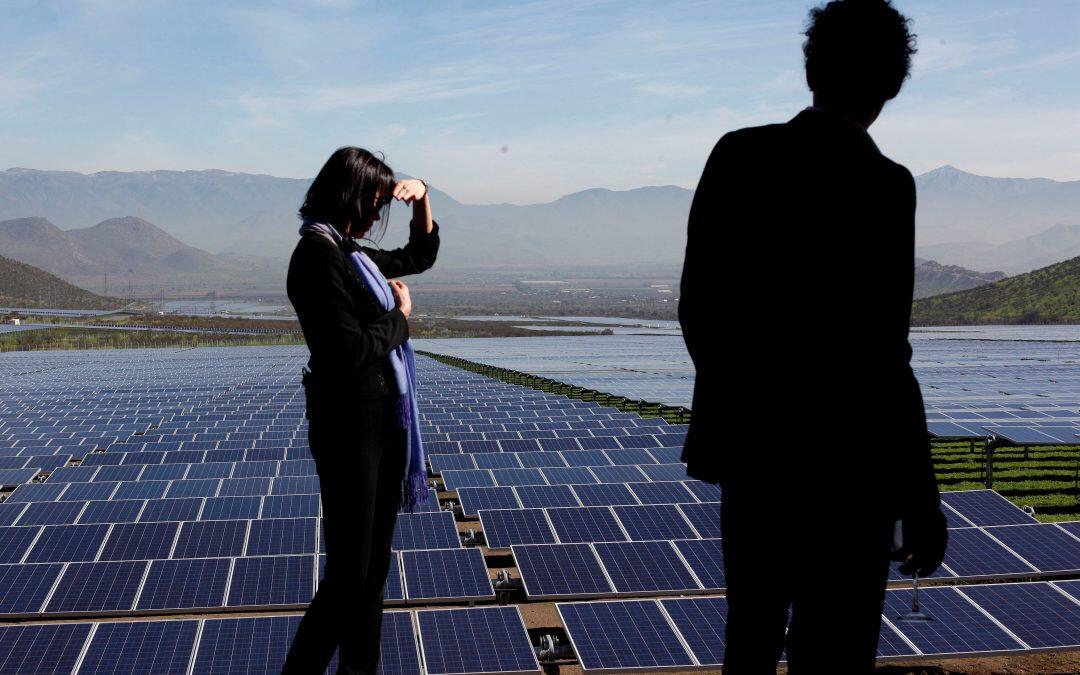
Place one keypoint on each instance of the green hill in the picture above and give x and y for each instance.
(23, 285)
(1047, 295)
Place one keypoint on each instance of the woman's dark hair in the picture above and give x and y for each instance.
(346, 187)
(858, 51)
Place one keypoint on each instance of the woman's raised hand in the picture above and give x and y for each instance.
(410, 190)
(401, 296)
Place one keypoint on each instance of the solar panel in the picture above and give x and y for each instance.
(475, 640)
(1046, 546)
(98, 587)
(425, 530)
(68, 543)
(654, 521)
(185, 584)
(398, 655)
(701, 622)
(51, 513)
(496, 460)
(623, 635)
(604, 494)
(973, 553)
(43, 649)
(211, 539)
(158, 510)
(120, 511)
(140, 647)
(231, 508)
(473, 499)
(281, 536)
(504, 527)
(986, 507)
(891, 643)
(560, 571)
(544, 496)
(248, 645)
(453, 480)
(568, 475)
(23, 588)
(645, 567)
(618, 474)
(706, 559)
(518, 477)
(666, 492)
(9, 513)
(272, 580)
(15, 541)
(1037, 613)
(585, 524)
(706, 492)
(446, 574)
(958, 626)
(139, 541)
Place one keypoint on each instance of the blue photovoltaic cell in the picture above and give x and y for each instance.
(440, 463)
(701, 622)
(9, 513)
(636, 456)
(290, 506)
(1045, 545)
(473, 499)
(891, 644)
(98, 587)
(23, 588)
(560, 570)
(158, 510)
(518, 477)
(81, 492)
(1036, 613)
(398, 655)
(644, 566)
(185, 584)
(230, 508)
(249, 645)
(244, 487)
(618, 474)
(139, 541)
(45, 649)
(972, 553)
(211, 539)
(280, 536)
(666, 492)
(706, 559)
(954, 519)
(122, 511)
(425, 530)
(475, 640)
(497, 460)
(631, 635)
(272, 580)
(432, 506)
(36, 492)
(653, 521)
(51, 513)
(68, 543)
(706, 492)
(14, 542)
(586, 458)
(295, 485)
(958, 627)
(540, 458)
(704, 517)
(604, 494)
(504, 527)
(192, 488)
(568, 475)
(585, 524)
(140, 647)
(141, 489)
(543, 496)
(446, 574)
(394, 588)
(986, 507)
(453, 480)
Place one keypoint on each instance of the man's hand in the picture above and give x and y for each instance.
(925, 538)
(401, 296)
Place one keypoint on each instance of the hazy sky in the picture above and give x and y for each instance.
(508, 101)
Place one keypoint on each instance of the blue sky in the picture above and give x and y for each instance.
(508, 101)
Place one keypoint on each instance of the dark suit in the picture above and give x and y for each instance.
(358, 448)
(795, 303)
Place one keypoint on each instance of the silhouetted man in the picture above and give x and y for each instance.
(795, 303)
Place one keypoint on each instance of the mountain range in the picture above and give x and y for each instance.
(23, 285)
(932, 278)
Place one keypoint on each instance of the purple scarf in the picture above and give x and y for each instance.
(402, 362)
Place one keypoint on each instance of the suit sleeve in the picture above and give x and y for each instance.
(322, 297)
(921, 490)
(413, 258)
(703, 221)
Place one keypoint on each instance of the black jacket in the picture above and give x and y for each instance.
(795, 303)
(348, 333)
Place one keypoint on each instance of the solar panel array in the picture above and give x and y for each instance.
(178, 482)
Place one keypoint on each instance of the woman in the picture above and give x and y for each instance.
(361, 405)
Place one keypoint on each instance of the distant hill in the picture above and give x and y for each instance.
(932, 278)
(126, 249)
(1052, 245)
(23, 285)
(1047, 295)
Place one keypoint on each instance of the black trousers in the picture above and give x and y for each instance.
(360, 457)
(826, 565)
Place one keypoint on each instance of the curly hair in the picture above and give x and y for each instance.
(858, 50)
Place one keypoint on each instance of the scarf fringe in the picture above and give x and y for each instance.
(414, 491)
(404, 410)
